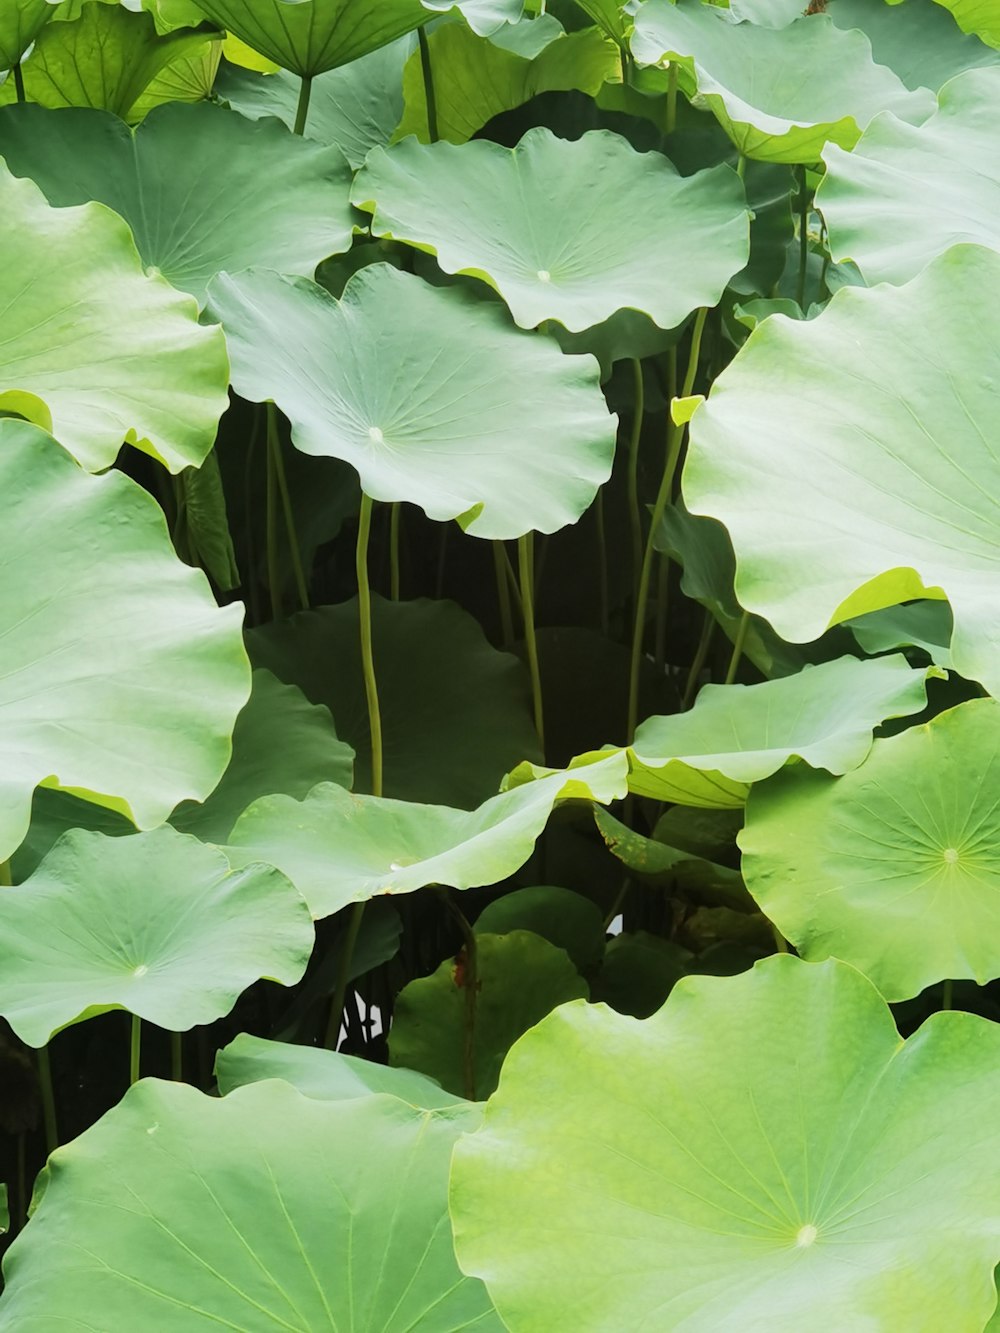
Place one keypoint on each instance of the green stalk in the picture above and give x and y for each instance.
(19, 83)
(343, 975)
(800, 293)
(278, 462)
(135, 1049)
(525, 563)
(634, 512)
(946, 994)
(662, 607)
(302, 110)
(273, 574)
(48, 1100)
(429, 94)
(470, 983)
(503, 593)
(675, 440)
(176, 1057)
(698, 662)
(394, 551)
(738, 644)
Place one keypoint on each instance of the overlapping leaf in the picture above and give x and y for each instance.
(850, 457)
(94, 349)
(858, 1188)
(444, 430)
(121, 677)
(526, 220)
(20, 23)
(256, 1210)
(181, 181)
(156, 923)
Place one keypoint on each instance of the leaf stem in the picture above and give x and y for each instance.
(273, 573)
(500, 566)
(675, 439)
(135, 1050)
(470, 982)
(333, 1026)
(429, 94)
(946, 994)
(19, 82)
(738, 645)
(367, 651)
(698, 662)
(177, 1057)
(48, 1099)
(302, 110)
(525, 549)
(394, 510)
(274, 446)
(634, 512)
(800, 293)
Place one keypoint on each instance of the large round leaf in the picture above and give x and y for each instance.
(20, 23)
(257, 1211)
(906, 193)
(780, 95)
(676, 1182)
(474, 721)
(851, 457)
(91, 347)
(353, 108)
(281, 743)
(738, 734)
(460, 1036)
(894, 867)
(482, 16)
(338, 848)
(156, 923)
(102, 57)
(188, 183)
(526, 220)
(121, 676)
(309, 37)
(918, 41)
(975, 16)
(327, 1076)
(455, 428)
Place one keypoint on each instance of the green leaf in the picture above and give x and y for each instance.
(973, 16)
(353, 108)
(525, 220)
(850, 458)
(926, 625)
(482, 16)
(894, 867)
(656, 861)
(94, 349)
(190, 78)
(281, 743)
(205, 524)
(564, 918)
(444, 431)
(157, 924)
(640, 970)
(20, 23)
(475, 79)
(259, 1210)
(858, 1189)
(338, 848)
(737, 734)
(181, 183)
(460, 1035)
(780, 95)
(105, 58)
(431, 651)
(121, 677)
(323, 1075)
(310, 37)
(920, 43)
(907, 193)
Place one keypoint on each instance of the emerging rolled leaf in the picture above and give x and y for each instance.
(875, 482)
(894, 867)
(259, 1210)
(525, 220)
(121, 677)
(444, 431)
(94, 349)
(664, 1189)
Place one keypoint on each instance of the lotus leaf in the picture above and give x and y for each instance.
(156, 923)
(105, 57)
(121, 677)
(482, 16)
(429, 650)
(93, 348)
(310, 37)
(338, 848)
(180, 182)
(258, 1210)
(973, 16)
(20, 23)
(894, 867)
(907, 193)
(774, 91)
(525, 220)
(564, 918)
(190, 78)
(878, 472)
(859, 1189)
(326, 1076)
(460, 1035)
(444, 431)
